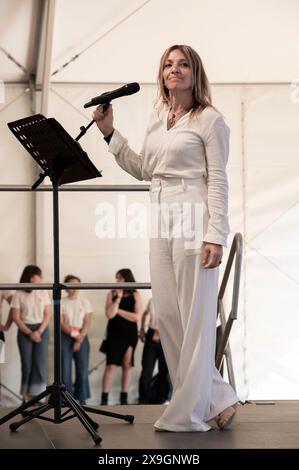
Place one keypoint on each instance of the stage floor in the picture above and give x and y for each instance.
(258, 425)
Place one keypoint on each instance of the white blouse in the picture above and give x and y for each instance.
(74, 310)
(31, 304)
(196, 147)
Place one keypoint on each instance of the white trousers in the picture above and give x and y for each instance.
(185, 302)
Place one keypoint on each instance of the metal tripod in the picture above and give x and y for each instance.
(59, 398)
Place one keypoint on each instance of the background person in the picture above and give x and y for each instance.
(31, 311)
(5, 296)
(152, 352)
(75, 322)
(123, 310)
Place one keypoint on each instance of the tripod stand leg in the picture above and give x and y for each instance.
(31, 414)
(91, 421)
(23, 407)
(82, 416)
(129, 418)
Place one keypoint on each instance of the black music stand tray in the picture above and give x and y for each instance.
(64, 161)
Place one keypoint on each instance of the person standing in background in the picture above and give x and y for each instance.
(152, 352)
(31, 311)
(123, 310)
(4, 296)
(75, 322)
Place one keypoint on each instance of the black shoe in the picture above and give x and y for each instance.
(123, 398)
(82, 402)
(104, 398)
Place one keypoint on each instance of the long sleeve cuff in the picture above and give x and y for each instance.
(109, 137)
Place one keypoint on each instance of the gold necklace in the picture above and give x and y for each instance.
(171, 120)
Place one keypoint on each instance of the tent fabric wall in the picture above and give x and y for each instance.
(239, 41)
(16, 215)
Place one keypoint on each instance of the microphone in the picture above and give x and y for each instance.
(105, 98)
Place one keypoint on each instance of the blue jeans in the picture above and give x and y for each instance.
(80, 390)
(33, 361)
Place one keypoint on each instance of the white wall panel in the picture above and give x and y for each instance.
(16, 215)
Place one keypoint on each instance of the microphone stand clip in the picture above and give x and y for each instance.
(84, 129)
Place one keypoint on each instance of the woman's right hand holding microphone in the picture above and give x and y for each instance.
(104, 119)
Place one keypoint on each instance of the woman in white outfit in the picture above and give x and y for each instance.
(184, 156)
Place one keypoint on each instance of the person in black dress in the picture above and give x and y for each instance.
(157, 389)
(124, 311)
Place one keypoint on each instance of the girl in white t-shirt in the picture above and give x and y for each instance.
(75, 321)
(31, 311)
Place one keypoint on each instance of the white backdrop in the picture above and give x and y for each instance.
(263, 165)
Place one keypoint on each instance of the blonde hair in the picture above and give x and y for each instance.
(201, 88)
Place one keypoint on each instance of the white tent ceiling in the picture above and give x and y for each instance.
(259, 40)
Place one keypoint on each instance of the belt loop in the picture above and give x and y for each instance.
(184, 184)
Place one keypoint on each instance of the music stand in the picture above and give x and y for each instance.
(64, 161)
